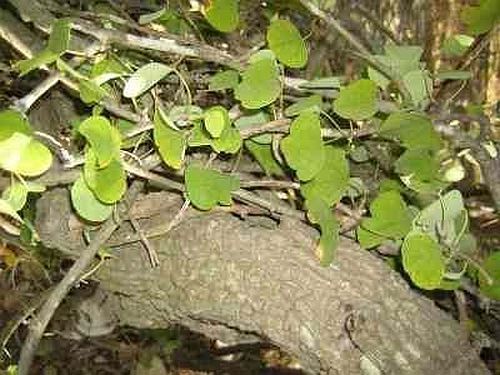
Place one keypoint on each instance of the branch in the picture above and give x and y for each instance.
(39, 323)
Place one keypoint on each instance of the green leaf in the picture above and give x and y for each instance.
(144, 78)
(13, 122)
(313, 102)
(170, 142)
(255, 120)
(439, 219)
(423, 260)
(223, 14)
(7, 209)
(324, 83)
(263, 154)
(109, 183)
(391, 220)
(454, 74)
(331, 182)
(228, 79)
(303, 148)
(413, 130)
(23, 155)
(104, 139)
(358, 101)
(45, 57)
(285, 41)
(318, 212)
(403, 59)
(90, 92)
(229, 142)
(480, 19)
(16, 195)
(260, 85)
(206, 187)
(59, 37)
(418, 163)
(419, 84)
(86, 204)
(457, 45)
(216, 120)
(491, 287)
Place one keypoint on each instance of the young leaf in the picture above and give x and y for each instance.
(206, 187)
(303, 148)
(86, 204)
(223, 14)
(104, 139)
(13, 122)
(171, 143)
(391, 220)
(144, 78)
(228, 79)
(109, 183)
(23, 155)
(16, 195)
(414, 131)
(331, 182)
(45, 57)
(358, 101)
(319, 212)
(423, 260)
(313, 102)
(491, 287)
(260, 83)
(216, 120)
(285, 41)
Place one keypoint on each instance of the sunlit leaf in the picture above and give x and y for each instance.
(24, 155)
(86, 204)
(313, 102)
(423, 260)
(216, 120)
(16, 195)
(171, 143)
(303, 148)
(13, 122)
(104, 139)
(144, 78)
(223, 14)
(109, 183)
(285, 41)
(358, 101)
(7, 209)
(206, 187)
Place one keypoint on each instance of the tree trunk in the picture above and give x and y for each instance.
(241, 280)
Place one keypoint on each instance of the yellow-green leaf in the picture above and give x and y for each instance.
(303, 148)
(86, 204)
(216, 120)
(285, 41)
(223, 14)
(24, 155)
(144, 78)
(318, 212)
(103, 137)
(171, 143)
(358, 101)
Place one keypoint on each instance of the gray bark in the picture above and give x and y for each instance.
(239, 280)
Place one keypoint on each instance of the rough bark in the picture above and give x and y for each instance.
(239, 280)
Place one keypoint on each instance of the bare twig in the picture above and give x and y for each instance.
(39, 323)
(152, 254)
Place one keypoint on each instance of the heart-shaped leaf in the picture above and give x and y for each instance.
(206, 187)
(223, 14)
(86, 204)
(285, 41)
(358, 101)
(216, 120)
(391, 220)
(104, 138)
(423, 260)
(331, 182)
(303, 148)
